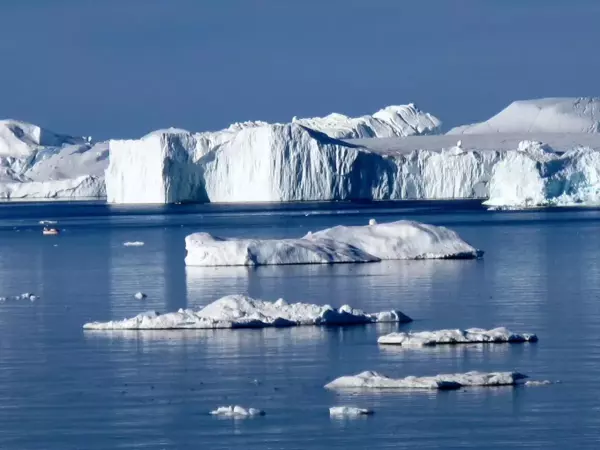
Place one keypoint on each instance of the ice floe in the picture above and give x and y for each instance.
(239, 311)
(139, 296)
(341, 244)
(449, 337)
(349, 411)
(374, 380)
(133, 244)
(237, 411)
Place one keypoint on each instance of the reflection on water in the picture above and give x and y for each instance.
(61, 387)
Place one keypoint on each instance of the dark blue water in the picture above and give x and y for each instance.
(61, 388)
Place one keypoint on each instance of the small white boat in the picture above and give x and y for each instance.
(50, 231)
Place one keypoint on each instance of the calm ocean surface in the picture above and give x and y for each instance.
(61, 388)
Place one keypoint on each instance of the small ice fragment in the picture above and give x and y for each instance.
(140, 295)
(237, 411)
(537, 382)
(48, 222)
(372, 222)
(133, 244)
(350, 411)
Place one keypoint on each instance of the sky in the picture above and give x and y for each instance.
(122, 68)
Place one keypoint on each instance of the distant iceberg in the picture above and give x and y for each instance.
(237, 411)
(349, 411)
(451, 337)
(546, 115)
(374, 380)
(341, 244)
(239, 311)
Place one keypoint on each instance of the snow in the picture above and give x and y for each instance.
(237, 411)
(349, 411)
(133, 244)
(342, 244)
(469, 336)
(139, 296)
(554, 115)
(239, 311)
(374, 380)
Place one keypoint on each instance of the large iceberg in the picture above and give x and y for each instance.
(342, 244)
(374, 380)
(37, 163)
(239, 311)
(451, 337)
(547, 115)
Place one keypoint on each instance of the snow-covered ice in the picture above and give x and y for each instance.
(237, 411)
(342, 244)
(449, 337)
(538, 382)
(133, 244)
(37, 163)
(349, 411)
(374, 380)
(139, 296)
(553, 115)
(240, 311)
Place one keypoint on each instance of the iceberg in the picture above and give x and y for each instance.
(39, 164)
(239, 311)
(374, 380)
(549, 115)
(342, 244)
(349, 411)
(237, 411)
(451, 337)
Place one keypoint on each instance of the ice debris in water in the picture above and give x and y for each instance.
(140, 295)
(133, 244)
(237, 411)
(538, 382)
(239, 311)
(449, 337)
(349, 411)
(342, 244)
(374, 380)
(24, 296)
(48, 222)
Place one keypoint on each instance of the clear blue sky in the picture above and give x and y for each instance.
(121, 68)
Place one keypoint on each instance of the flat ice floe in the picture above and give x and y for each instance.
(239, 311)
(237, 411)
(25, 296)
(342, 244)
(133, 244)
(349, 411)
(374, 380)
(449, 337)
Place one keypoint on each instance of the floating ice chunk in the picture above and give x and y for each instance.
(538, 382)
(48, 222)
(25, 296)
(349, 411)
(372, 222)
(341, 244)
(133, 244)
(237, 411)
(469, 336)
(238, 311)
(140, 295)
(374, 380)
